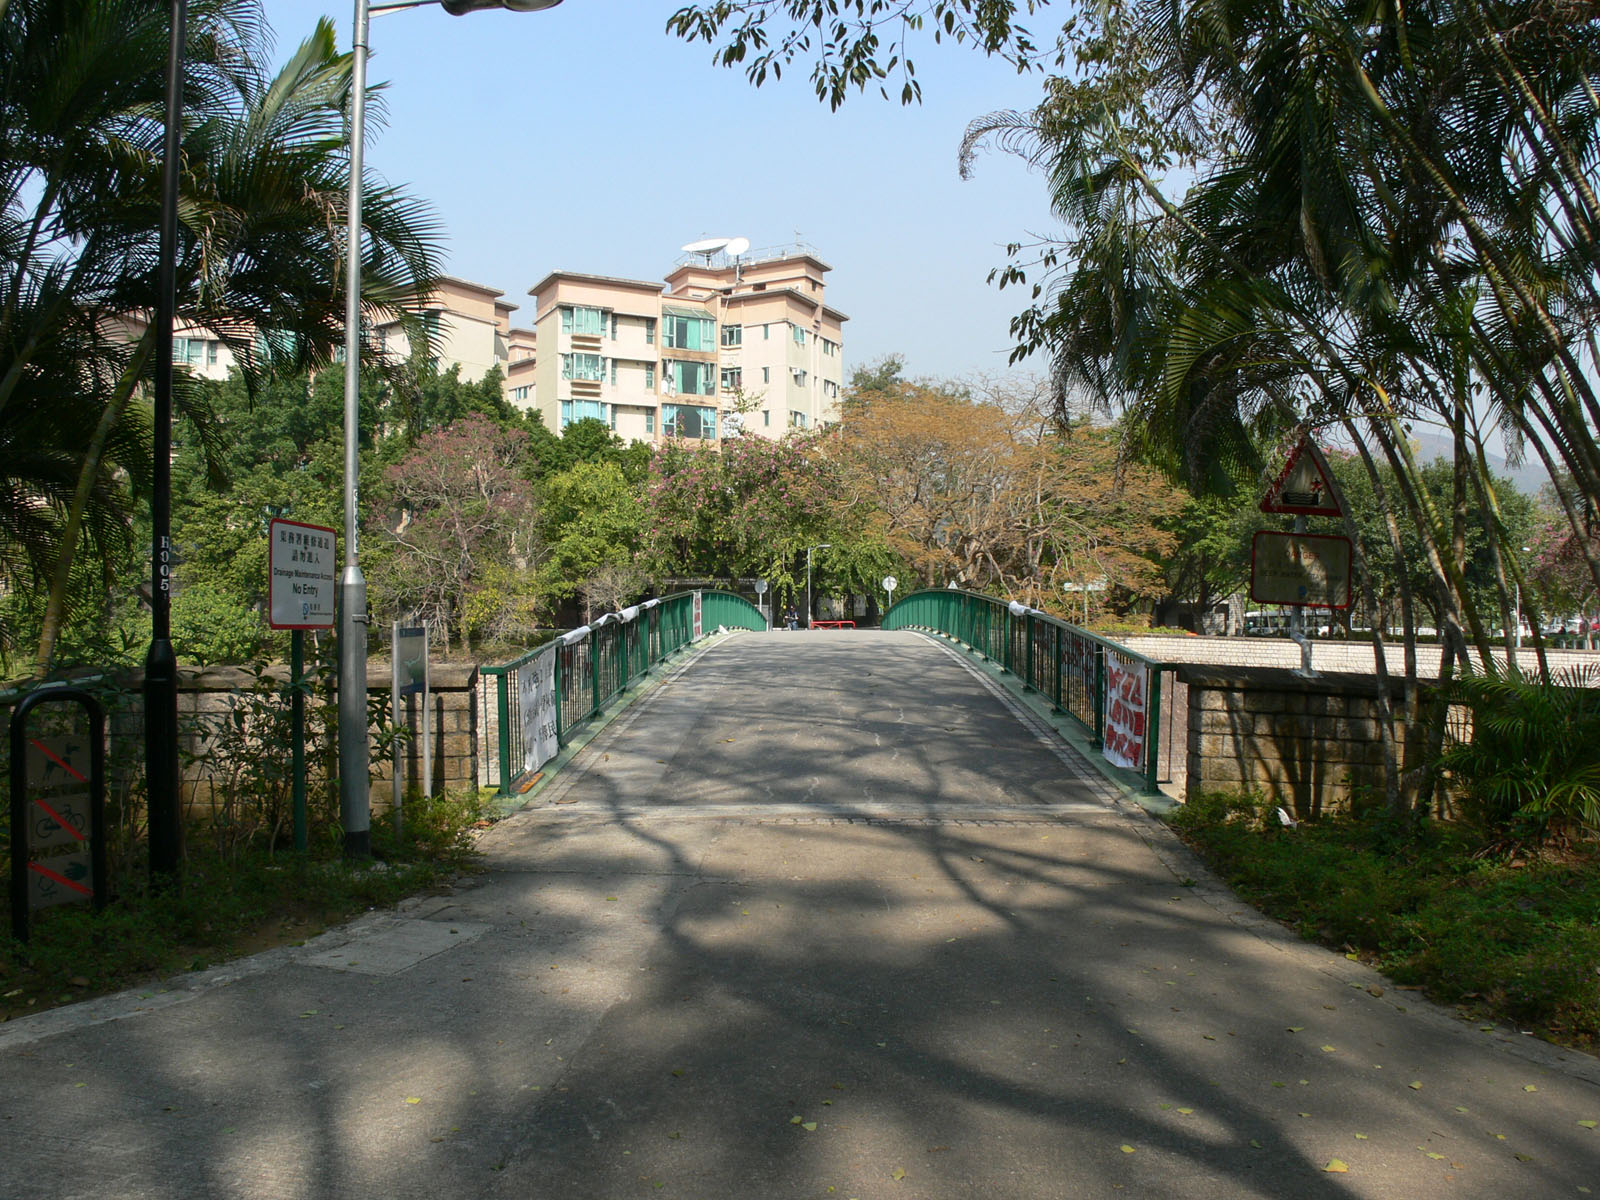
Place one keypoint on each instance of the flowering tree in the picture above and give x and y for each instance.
(458, 513)
(745, 509)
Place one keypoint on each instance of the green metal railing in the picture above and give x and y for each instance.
(592, 665)
(1066, 664)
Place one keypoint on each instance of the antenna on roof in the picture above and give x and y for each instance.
(736, 247)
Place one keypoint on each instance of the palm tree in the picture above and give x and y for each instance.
(1391, 214)
(263, 184)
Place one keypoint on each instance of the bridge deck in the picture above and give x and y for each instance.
(856, 933)
(865, 720)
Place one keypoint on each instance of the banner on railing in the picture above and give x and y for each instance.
(536, 693)
(1127, 688)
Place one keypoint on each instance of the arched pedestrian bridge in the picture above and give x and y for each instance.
(819, 914)
(888, 719)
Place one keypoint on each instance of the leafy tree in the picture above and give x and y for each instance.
(456, 506)
(746, 509)
(210, 626)
(588, 440)
(591, 519)
(263, 182)
(993, 496)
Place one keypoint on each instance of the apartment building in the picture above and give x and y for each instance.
(468, 325)
(726, 343)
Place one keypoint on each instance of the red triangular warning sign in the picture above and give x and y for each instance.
(1302, 488)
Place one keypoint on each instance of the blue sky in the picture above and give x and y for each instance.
(586, 138)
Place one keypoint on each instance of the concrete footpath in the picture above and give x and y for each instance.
(824, 915)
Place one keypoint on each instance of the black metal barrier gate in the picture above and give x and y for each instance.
(58, 802)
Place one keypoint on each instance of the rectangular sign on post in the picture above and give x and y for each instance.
(1127, 692)
(1300, 568)
(302, 576)
(410, 678)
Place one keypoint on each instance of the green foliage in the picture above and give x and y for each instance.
(1505, 938)
(209, 626)
(1534, 757)
(747, 508)
(258, 267)
(591, 518)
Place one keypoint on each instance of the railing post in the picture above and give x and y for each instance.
(1099, 696)
(1152, 732)
(1055, 667)
(503, 704)
(561, 693)
(1027, 679)
(594, 667)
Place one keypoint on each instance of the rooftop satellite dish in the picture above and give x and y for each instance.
(737, 246)
(706, 246)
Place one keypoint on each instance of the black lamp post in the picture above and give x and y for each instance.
(162, 781)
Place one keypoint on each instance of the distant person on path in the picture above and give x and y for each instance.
(791, 619)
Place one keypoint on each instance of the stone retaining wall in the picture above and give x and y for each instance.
(1312, 744)
(1327, 655)
(208, 697)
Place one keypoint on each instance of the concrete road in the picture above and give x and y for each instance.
(821, 916)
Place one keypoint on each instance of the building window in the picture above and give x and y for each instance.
(830, 389)
(688, 421)
(613, 369)
(829, 349)
(691, 378)
(766, 333)
(649, 421)
(766, 374)
(613, 331)
(799, 376)
(650, 375)
(799, 334)
(649, 331)
(766, 417)
(187, 350)
(732, 379)
(797, 419)
(211, 353)
(583, 366)
(733, 335)
(585, 410)
(587, 321)
(689, 333)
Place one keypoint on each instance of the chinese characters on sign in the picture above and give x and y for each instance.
(536, 683)
(1127, 687)
(1300, 568)
(303, 565)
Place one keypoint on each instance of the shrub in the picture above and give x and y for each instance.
(1534, 757)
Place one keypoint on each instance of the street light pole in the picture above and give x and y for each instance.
(809, 549)
(355, 812)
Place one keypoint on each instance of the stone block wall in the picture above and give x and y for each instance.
(206, 701)
(452, 724)
(1312, 744)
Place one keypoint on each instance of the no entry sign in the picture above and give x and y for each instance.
(303, 559)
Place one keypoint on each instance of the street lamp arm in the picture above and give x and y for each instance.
(458, 8)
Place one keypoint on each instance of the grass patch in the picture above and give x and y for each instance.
(228, 906)
(1514, 939)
